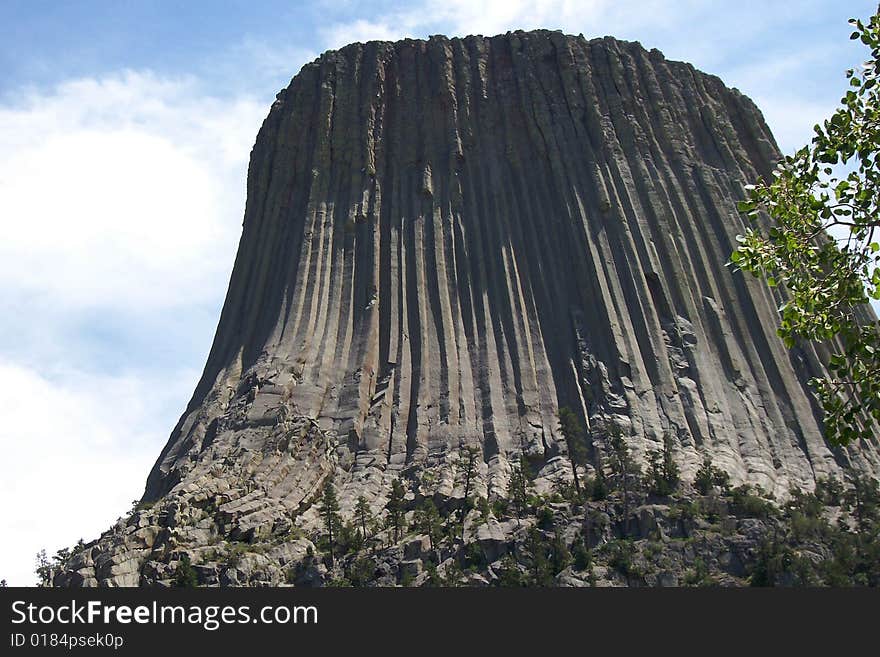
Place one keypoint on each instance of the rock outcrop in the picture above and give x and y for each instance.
(444, 243)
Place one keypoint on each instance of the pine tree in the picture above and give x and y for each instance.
(395, 507)
(663, 470)
(509, 575)
(600, 486)
(537, 552)
(429, 522)
(517, 490)
(583, 556)
(467, 462)
(452, 575)
(560, 555)
(626, 471)
(576, 439)
(330, 514)
(364, 515)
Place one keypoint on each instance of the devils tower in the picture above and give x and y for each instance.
(445, 242)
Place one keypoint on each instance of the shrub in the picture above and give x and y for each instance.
(829, 491)
(500, 507)
(583, 556)
(362, 571)
(510, 574)
(777, 563)
(185, 575)
(560, 557)
(747, 503)
(600, 486)
(699, 575)
(472, 557)
(620, 557)
(545, 517)
(434, 578)
(708, 477)
(484, 508)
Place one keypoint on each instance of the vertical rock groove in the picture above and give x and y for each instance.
(445, 241)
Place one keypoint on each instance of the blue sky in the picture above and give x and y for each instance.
(125, 129)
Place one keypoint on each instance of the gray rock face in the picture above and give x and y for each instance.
(446, 241)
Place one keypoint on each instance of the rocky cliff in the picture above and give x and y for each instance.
(444, 243)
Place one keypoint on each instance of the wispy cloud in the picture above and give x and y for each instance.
(460, 18)
(258, 64)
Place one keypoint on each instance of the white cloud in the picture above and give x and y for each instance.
(364, 30)
(464, 17)
(76, 451)
(115, 192)
(121, 201)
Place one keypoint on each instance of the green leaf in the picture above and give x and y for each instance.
(827, 281)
